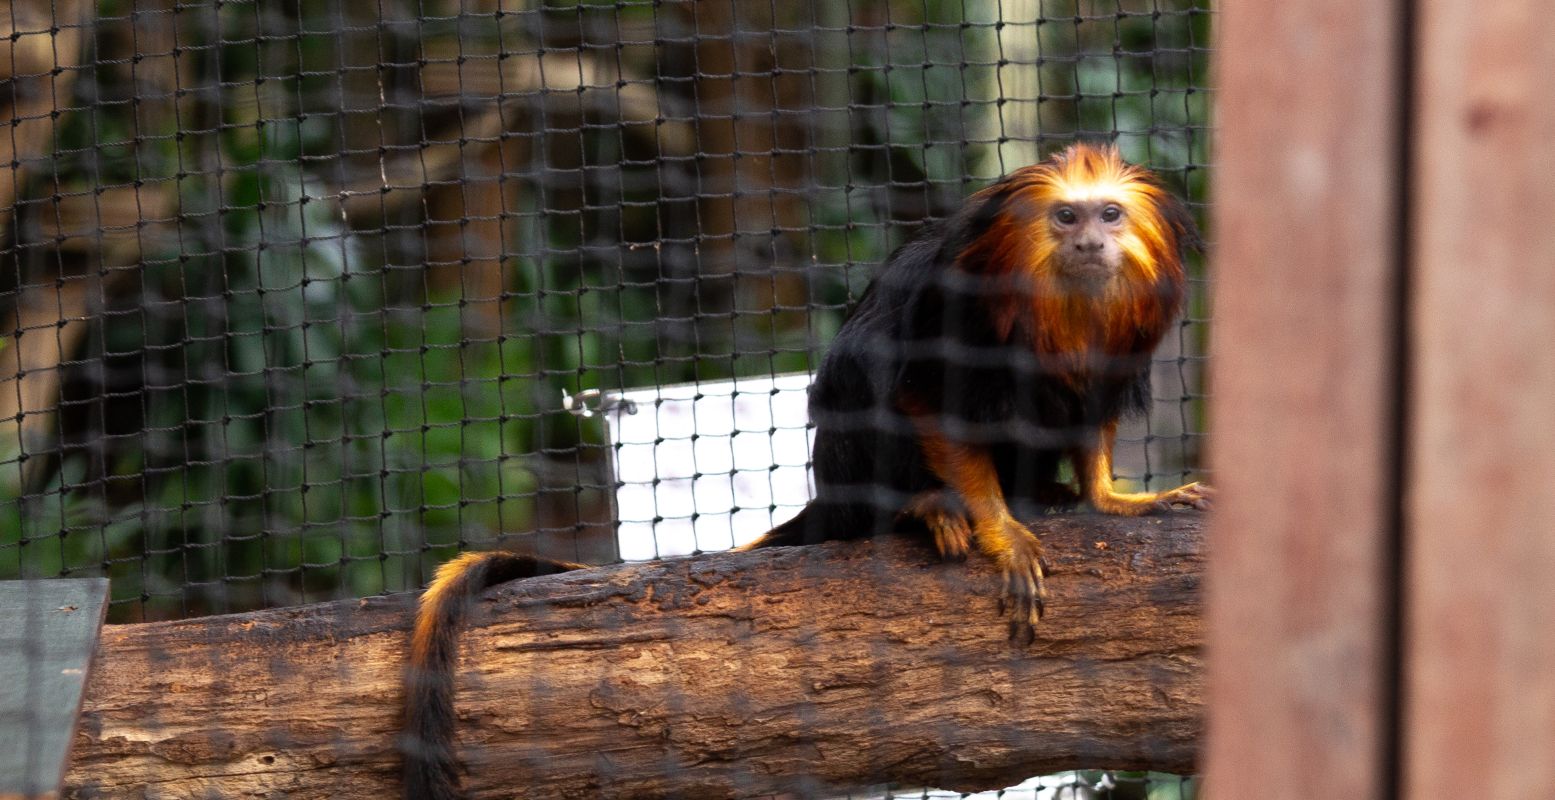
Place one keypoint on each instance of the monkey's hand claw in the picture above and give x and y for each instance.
(1025, 586)
(1194, 495)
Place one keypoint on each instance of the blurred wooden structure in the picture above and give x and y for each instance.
(1380, 598)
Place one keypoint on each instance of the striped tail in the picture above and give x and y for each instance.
(431, 769)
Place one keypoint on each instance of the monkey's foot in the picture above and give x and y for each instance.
(1194, 495)
(1019, 556)
(943, 514)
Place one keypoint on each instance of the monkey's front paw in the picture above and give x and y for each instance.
(945, 517)
(1194, 495)
(952, 537)
(1025, 583)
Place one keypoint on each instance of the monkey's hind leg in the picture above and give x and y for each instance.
(1095, 472)
(946, 518)
(969, 470)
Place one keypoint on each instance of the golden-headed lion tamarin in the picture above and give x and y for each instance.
(991, 347)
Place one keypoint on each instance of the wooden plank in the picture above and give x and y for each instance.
(1305, 211)
(48, 630)
(795, 669)
(1479, 705)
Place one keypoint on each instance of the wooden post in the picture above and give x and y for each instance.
(1479, 704)
(1306, 213)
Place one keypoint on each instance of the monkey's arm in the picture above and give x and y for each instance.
(1094, 469)
(968, 470)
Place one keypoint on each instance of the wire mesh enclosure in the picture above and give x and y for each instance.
(301, 299)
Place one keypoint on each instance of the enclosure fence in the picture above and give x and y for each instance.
(301, 299)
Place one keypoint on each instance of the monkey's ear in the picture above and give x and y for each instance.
(1176, 214)
(974, 219)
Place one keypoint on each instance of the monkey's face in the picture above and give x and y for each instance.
(1086, 233)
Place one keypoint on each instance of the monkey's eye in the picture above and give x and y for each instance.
(1111, 214)
(1065, 216)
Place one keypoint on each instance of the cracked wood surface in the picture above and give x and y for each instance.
(730, 675)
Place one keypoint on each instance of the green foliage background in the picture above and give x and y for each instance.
(282, 406)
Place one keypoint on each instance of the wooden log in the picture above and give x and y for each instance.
(800, 669)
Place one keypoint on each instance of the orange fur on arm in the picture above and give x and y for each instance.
(970, 472)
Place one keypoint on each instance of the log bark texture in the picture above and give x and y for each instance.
(796, 670)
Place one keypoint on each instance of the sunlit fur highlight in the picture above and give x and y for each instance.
(1135, 308)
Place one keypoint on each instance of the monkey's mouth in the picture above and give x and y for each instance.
(1092, 270)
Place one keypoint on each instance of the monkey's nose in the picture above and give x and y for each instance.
(1089, 245)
